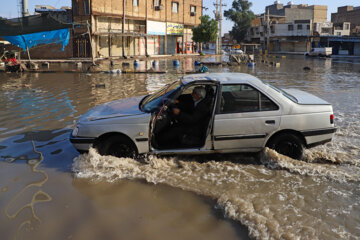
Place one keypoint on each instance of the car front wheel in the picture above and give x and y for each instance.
(118, 146)
(288, 144)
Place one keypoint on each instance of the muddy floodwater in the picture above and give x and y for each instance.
(49, 191)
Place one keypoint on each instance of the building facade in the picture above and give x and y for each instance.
(347, 14)
(290, 28)
(122, 28)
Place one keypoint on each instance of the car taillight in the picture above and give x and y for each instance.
(332, 118)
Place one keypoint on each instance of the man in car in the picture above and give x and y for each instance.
(190, 125)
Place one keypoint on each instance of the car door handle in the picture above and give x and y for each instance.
(270, 121)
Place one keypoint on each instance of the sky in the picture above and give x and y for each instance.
(11, 9)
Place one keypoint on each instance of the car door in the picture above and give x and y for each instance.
(244, 118)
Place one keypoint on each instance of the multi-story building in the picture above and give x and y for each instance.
(292, 12)
(290, 28)
(115, 28)
(347, 14)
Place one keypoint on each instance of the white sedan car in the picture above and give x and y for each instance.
(244, 114)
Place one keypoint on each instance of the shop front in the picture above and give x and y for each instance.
(156, 32)
(175, 33)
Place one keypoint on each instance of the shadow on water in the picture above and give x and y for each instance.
(54, 145)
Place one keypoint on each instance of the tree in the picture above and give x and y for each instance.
(242, 16)
(206, 31)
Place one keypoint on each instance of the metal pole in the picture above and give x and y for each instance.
(217, 19)
(146, 30)
(123, 28)
(165, 38)
(268, 31)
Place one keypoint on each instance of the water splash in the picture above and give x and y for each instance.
(271, 203)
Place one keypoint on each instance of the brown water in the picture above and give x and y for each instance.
(48, 191)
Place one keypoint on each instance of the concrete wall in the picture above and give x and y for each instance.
(292, 14)
(320, 13)
(283, 30)
(317, 13)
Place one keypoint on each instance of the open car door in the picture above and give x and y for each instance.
(190, 138)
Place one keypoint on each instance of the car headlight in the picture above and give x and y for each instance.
(75, 132)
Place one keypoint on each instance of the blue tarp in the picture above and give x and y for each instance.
(61, 37)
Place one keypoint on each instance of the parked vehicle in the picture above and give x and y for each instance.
(246, 115)
(319, 52)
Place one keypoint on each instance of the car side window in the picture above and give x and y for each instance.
(237, 98)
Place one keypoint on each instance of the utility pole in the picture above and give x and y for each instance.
(267, 30)
(218, 17)
(123, 29)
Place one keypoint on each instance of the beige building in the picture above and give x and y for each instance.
(289, 28)
(134, 27)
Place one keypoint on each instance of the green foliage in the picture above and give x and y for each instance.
(241, 15)
(206, 31)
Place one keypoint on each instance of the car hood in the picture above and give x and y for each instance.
(305, 97)
(118, 108)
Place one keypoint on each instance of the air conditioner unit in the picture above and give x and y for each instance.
(158, 8)
(192, 13)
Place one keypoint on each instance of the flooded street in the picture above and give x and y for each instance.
(49, 191)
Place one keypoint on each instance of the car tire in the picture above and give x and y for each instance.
(117, 146)
(288, 144)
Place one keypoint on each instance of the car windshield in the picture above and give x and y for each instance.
(154, 101)
(289, 96)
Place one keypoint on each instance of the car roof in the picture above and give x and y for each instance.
(223, 78)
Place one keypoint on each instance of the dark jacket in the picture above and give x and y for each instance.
(198, 116)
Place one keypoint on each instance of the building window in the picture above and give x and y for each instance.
(290, 27)
(347, 26)
(299, 26)
(135, 3)
(157, 3)
(86, 7)
(175, 7)
(308, 27)
(192, 10)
